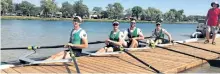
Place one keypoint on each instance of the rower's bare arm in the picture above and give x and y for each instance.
(169, 35)
(83, 45)
(141, 37)
(117, 43)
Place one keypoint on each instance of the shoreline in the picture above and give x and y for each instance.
(85, 20)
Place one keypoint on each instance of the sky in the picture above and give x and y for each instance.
(190, 7)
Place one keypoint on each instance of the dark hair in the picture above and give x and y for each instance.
(132, 19)
(76, 19)
(214, 3)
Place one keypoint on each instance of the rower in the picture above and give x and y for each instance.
(115, 40)
(159, 33)
(134, 34)
(77, 42)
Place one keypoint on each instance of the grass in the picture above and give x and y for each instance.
(85, 20)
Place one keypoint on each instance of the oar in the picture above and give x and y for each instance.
(197, 47)
(157, 71)
(214, 63)
(72, 55)
(43, 47)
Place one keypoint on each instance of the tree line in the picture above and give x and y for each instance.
(48, 8)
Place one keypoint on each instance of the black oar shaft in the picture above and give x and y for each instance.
(72, 55)
(157, 71)
(198, 47)
(42, 47)
(56, 46)
(180, 52)
(177, 51)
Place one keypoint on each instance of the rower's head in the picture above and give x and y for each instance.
(115, 25)
(133, 23)
(214, 4)
(77, 21)
(158, 25)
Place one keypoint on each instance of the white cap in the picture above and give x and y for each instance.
(78, 19)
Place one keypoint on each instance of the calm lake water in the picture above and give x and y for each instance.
(22, 33)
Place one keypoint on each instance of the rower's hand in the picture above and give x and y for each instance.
(171, 41)
(68, 45)
(107, 41)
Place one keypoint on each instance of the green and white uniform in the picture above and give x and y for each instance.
(160, 34)
(76, 38)
(115, 36)
(136, 32)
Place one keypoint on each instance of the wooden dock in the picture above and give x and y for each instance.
(163, 60)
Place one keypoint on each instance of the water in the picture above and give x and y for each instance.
(206, 68)
(23, 33)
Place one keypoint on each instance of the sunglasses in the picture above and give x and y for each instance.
(115, 24)
(133, 22)
(157, 24)
(76, 21)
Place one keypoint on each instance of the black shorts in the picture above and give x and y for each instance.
(76, 51)
(129, 43)
(115, 48)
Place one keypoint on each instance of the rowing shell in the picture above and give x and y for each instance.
(111, 53)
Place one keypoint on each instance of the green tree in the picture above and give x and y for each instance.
(97, 11)
(174, 16)
(110, 11)
(4, 7)
(180, 15)
(10, 6)
(118, 10)
(26, 7)
(128, 12)
(35, 11)
(169, 16)
(136, 11)
(67, 9)
(104, 14)
(144, 16)
(153, 13)
(81, 9)
(48, 7)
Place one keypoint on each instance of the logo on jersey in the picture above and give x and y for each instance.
(84, 35)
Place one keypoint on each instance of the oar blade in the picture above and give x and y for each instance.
(214, 63)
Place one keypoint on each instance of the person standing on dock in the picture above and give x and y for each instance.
(77, 42)
(134, 34)
(159, 34)
(212, 21)
(115, 40)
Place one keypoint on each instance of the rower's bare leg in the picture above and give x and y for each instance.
(102, 50)
(59, 56)
(134, 43)
(110, 49)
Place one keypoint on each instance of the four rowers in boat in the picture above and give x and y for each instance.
(116, 40)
